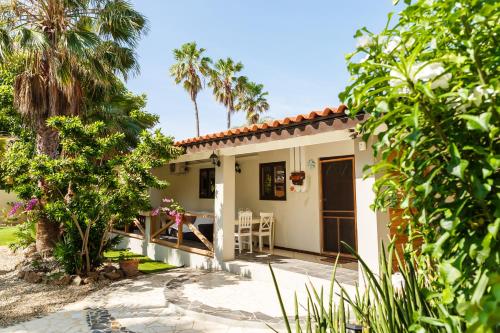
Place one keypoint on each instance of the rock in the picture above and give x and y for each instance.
(77, 280)
(33, 277)
(62, 281)
(108, 268)
(89, 280)
(21, 274)
(112, 275)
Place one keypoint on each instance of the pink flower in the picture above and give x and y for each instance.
(178, 219)
(15, 208)
(155, 212)
(30, 205)
(167, 200)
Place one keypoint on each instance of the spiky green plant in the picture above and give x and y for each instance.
(378, 305)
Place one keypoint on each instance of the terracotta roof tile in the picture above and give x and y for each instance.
(270, 124)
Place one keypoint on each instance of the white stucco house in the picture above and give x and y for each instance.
(249, 168)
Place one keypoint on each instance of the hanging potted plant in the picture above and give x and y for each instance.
(297, 177)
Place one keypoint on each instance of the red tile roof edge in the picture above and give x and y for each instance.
(269, 124)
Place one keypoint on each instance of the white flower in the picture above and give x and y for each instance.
(422, 72)
(478, 93)
(364, 41)
(441, 82)
(393, 43)
(433, 44)
(427, 72)
(409, 43)
(397, 78)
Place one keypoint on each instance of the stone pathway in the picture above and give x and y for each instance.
(181, 300)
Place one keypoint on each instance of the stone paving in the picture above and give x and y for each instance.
(180, 300)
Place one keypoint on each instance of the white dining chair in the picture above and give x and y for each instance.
(244, 230)
(265, 229)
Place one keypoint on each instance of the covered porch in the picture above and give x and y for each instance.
(252, 173)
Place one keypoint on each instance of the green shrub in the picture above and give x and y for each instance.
(25, 235)
(429, 85)
(89, 188)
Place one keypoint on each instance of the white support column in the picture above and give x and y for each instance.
(371, 226)
(147, 232)
(224, 209)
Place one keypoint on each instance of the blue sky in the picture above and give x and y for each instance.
(295, 48)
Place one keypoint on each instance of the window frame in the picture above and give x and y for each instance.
(207, 171)
(261, 180)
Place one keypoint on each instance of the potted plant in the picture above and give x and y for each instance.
(297, 177)
(129, 266)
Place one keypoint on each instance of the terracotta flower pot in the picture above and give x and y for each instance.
(130, 267)
(298, 177)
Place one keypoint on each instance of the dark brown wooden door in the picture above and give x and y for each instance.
(338, 205)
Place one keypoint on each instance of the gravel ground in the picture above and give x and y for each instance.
(8, 260)
(21, 301)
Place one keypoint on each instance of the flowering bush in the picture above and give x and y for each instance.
(89, 188)
(172, 208)
(28, 207)
(429, 83)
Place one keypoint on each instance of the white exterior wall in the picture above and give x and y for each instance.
(297, 218)
(183, 188)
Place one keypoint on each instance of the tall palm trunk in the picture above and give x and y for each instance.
(197, 117)
(47, 231)
(229, 117)
(47, 141)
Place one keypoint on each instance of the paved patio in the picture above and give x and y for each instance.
(181, 300)
(307, 265)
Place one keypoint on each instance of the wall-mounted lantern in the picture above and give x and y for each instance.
(215, 159)
(237, 168)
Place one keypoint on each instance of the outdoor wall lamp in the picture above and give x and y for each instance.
(237, 168)
(215, 159)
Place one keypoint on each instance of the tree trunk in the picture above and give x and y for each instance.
(47, 232)
(197, 117)
(47, 141)
(228, 118)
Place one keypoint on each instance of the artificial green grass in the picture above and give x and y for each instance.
(7, 235)
(146, 265)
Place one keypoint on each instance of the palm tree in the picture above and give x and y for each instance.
(253, 101)
(69, 49)
(189, 69)
(226, 85)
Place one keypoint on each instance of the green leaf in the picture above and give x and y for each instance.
(479, 188)
(456, 166)
(448, 296)
(480, 123)
(480, 288)
(449, 273)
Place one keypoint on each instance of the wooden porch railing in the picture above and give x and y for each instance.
(138, 223)
(180, 242)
